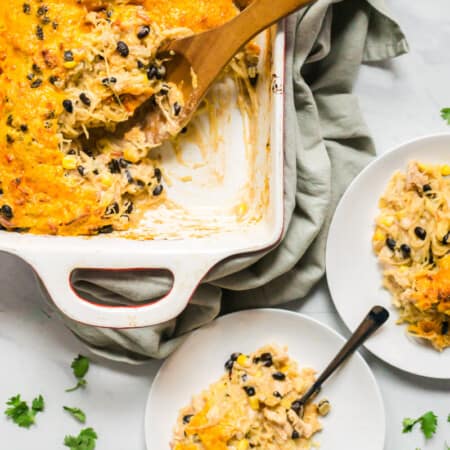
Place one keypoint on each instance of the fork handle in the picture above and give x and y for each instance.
(376, 317)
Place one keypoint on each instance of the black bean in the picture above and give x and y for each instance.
(9, 120)
(9, 139)
(68, 55)
(158, 190)
(446, 238)
(36, 68)
(157, 174)
(280, 376)
(53, 79)
(244, 377)
(6, 211)
(444, 327)
(81, 170)
(1, 191)
(184, 130)
(30, 76)
(106, 229)
(295, 434)
(42, 10)
(123, 163)
(123, 49)
(26, 8)
(176, 108)
(129, 207)
(129, 176)
(249, 390)
(39, 33)
(85, 99)
(277, 394)
(406, 250)
(36, 83)
(108, 81)
(140, 65)
(152, 72)
(72, 152)
(24, 128)
(426, 188)
(95, 172)
(143, 32)
(114, 166)
(112, 209)
(68, 106)
(391, 243)
(112, 80)
(164, 90)
(187, 418)
(230, 361)
(254, 80)
(266, 358)
(420, 233)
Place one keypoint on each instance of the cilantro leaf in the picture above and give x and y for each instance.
(408, 424)
(448, 418)
(86, 440)
(428, 424)
(76, 413)
(80, 366)
(20, 413)
(445, 114)
(38, 404)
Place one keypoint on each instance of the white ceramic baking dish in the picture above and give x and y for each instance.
(189, 240)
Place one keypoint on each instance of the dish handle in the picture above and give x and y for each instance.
(187, 271)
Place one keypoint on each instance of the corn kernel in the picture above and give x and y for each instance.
(131, 155)
(379, 236)
(106, 180)
(243, 444)
(387, 221)
(425, 167)
(69, 162)
(70, 64)
(254, 403)
(445, 170)
(286, 403)
(242, 359)
(242, 209)
(284, 369)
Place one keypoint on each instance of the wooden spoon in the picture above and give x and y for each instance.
(207, 54)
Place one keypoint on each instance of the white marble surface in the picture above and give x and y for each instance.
(401, 100)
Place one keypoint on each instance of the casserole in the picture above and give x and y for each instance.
(190, 240)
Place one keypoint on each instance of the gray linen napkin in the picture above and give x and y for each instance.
(327, 144)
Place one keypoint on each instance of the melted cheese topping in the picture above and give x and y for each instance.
(40, 190)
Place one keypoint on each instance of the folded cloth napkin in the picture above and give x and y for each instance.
(327, 144)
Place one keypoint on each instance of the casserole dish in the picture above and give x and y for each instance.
(212, 225)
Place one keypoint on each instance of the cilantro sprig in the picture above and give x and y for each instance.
(76, 413)
(80, 367)
(20, 413)
(86, 440)
(445, 114)
(428, 424)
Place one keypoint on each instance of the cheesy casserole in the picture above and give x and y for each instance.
(76, 77)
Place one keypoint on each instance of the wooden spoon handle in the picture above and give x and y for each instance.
(209, 52)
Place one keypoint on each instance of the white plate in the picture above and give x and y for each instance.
(353, 274)
(357, 418)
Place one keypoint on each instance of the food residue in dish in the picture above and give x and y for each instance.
(253, 405)
(412, 242)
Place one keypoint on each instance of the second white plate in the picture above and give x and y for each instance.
(354, 278)
(357, 418)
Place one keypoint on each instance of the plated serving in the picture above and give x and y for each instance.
(397, 239)
(411, 241)
(250, 403)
